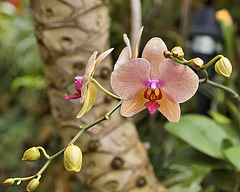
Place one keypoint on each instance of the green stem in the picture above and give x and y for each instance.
(211, 62)
(105, 117)
(44, 152)
(225, 88)
(220, 86)
(104, 90)
(38, 174)
(183, 62)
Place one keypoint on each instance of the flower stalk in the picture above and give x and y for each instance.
(104, 90)
(10, 181)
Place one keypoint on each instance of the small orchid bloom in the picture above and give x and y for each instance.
(86, 90)
(154, 82)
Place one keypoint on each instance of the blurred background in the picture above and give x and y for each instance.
(183, 165)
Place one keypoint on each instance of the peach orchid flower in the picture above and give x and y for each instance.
(153, 82)
(86, 90)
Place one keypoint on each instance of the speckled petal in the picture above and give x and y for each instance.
(123, 58)
(170, 109)
(153, 53)
(126, 40)
(132, 106)
(86, 77)
(102, 56)
(179, 82)
(130, 78)
(136, 45)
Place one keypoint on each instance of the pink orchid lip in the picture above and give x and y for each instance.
(74, 96)
(78, 83)
(152, 106)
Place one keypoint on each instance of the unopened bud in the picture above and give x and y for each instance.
(223, 67)
(72, 158)
(32, 185)
(31, 154)
(197, 63)
(167, 54)
(178, 52)
(224, 16)
(9, 181)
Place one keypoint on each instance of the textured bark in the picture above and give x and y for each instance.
(68, 31)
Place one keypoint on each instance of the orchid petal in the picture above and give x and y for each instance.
(130, 78)
(89, 100)
(102, 56)
(88, 72)
(132, 106)
(170, 109)
(179, 82)
(136, 45)
(126, 40)
(123, 58)
(153, 53)
(73, 96)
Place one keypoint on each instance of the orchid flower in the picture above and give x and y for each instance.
(153, 82)
(86, 90)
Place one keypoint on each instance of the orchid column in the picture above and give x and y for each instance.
(68, 33)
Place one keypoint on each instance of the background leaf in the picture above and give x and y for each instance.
(200, 132)
(232, 154)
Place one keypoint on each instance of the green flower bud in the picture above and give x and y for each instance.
(167, 54)
(9, 181)
(197, 63)
(32, 185)
(223, 67)
(31, 154)
(72, 158)
(178, 52)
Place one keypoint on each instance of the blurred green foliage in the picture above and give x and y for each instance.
(24, 108)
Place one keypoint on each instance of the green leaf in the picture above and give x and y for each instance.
(190, 156)
(219, 118)
(223, 179)
(232, 154)
(188, 179)
(200, 132)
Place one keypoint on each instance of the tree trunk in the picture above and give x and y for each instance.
(68, 32)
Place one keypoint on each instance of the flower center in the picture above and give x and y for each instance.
(78, 83)
(153, 93)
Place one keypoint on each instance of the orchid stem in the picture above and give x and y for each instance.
(211, 62)
(104, 90)
(220, 86)
(183, 62)
(105, 117)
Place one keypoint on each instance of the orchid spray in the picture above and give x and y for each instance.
(157, 81)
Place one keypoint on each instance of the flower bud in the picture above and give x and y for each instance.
(31, 154)
(9, 181)
(224, 16)
(197, 63)
(178, 52)
(72, 158)
(32, 185)
(223, 67)
(167, 54)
